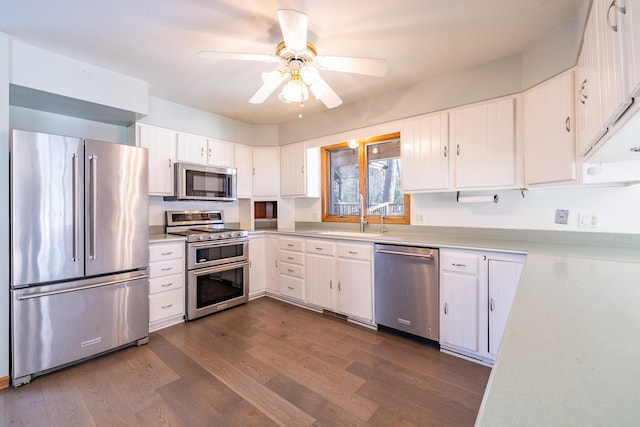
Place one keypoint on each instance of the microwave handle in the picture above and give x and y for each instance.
(229, 185)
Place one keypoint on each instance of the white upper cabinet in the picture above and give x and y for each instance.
(612, 64)
(220, 153)
(161, 144)
(266, 171)
(549, 135)
(602, 88)
(192, 148)
(299, 171)
(243, 158)
(631, 19)
(425, 153)
(483, 143)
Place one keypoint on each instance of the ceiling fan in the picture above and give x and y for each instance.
(299, 65)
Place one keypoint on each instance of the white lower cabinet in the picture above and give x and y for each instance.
(257, 266)
(292, 268)
(339, 277)
(476, 292)
(166, 283)
(272, 265)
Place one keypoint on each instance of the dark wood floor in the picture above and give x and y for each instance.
(263, 363)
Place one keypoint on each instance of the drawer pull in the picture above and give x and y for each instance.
(166, 285)
(166, 253)
(353, 252)
(290, 245)
(458, 265)
(446, 308)
(167, 269)
(167, 306)
(492, 305)
(290, 287)
(318, 249)
(290, 257)
(290, 271)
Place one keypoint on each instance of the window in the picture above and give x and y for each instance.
(373, 170)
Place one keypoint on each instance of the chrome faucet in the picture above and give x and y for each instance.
(363, 220)
(382, 229)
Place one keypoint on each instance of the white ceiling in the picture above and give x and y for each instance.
(158, 40)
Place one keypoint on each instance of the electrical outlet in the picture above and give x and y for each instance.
(562, 216)
(418, 217)
(589, 220)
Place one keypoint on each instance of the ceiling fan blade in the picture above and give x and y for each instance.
(270, 82)
(367, 66)
(322, 91)
(294, 29)
(238, 56)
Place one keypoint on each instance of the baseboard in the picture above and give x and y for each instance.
(4, 382)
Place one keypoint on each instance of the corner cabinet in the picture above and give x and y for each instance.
(425, 153)
(549, 132)
(161, 145)
(476, 292)
(299, 171)
(483, 145)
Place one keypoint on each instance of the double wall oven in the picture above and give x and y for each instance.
(217, 261)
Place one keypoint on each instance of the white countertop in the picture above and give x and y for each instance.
(570, 355)
(155, 238)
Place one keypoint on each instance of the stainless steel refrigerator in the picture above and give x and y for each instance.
(79, 250)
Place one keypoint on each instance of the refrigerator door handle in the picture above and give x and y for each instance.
(76, 210)
(93, 201)
(22, 297)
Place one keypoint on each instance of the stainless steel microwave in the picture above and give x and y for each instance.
(200, 182)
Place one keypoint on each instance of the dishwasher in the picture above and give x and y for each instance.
(406, 289)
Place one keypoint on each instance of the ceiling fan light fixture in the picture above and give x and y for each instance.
(295, 90)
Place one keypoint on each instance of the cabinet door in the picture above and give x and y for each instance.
(355, 288)
(243, 157)
(257, 270)
(632, 44)
(588, 108)
(272, 266)
(425, 153)
(503, 281)
(266, 171)
(484, 144)
(613, 77)
(220, 153)
(321, 281)
(161, 144)
(192, 148)
(549, 143)
(459, 310)
(292, 170)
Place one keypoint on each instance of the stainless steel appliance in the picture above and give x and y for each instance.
(217, 261)
(199, 182)
(79, 250)
(406, 289)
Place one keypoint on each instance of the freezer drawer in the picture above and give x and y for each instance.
(56, 325)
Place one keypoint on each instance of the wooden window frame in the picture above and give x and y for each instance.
(362, 146)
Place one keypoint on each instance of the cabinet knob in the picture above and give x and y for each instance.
(492, 304)
(446, 308)
(458, 149)
(567, 124)
(445, 151)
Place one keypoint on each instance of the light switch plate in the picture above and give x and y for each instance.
(589, 220)
(562, 216)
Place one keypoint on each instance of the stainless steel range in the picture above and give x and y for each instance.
(217, 261)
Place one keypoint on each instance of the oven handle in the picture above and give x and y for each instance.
(218, 268)
(215, 243)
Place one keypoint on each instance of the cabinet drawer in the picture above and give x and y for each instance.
(166, 250)
(323, 247)
(291, 269)
(458, 262)
(291, 244)
(292, 257)
(166, 283)
(166, 304)
(166, 268)
(354, 250)
(292, 287)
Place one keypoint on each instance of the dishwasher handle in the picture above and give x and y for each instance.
(423, 256)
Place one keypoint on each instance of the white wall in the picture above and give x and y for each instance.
(618, 208)
(179, 117)
(58, 124)
(4, 201)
